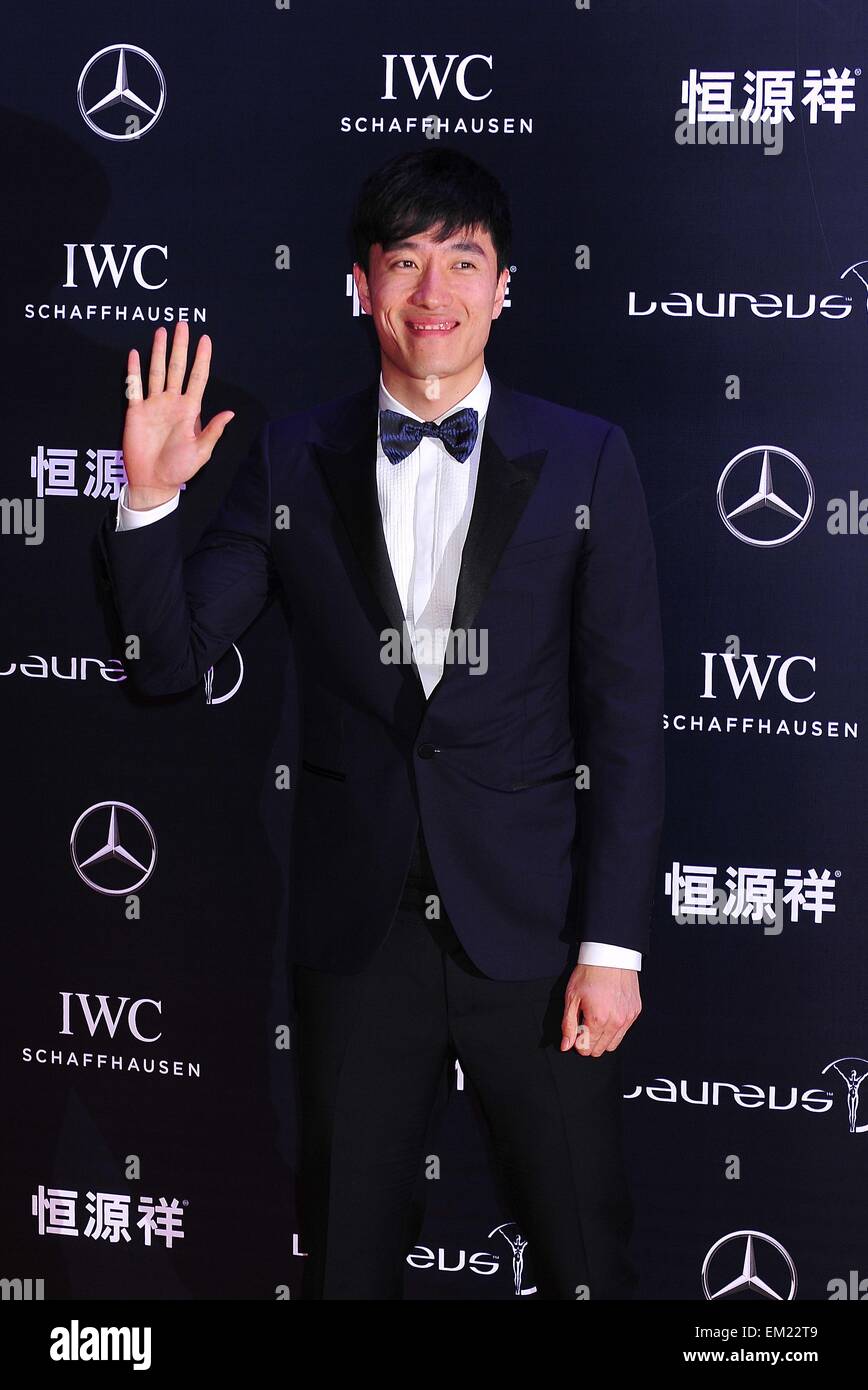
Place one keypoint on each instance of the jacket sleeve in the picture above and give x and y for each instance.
(186, 612)
(617, 673)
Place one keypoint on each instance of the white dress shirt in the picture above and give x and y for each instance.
(425, 503)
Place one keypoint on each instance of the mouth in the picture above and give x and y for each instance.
(430, 328)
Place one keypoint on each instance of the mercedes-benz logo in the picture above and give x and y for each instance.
(775, 1261)
(762, 510)
(136, 849)
(131, 86)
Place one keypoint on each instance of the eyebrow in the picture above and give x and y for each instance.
(416, 245)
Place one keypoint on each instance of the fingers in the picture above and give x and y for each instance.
(134, 377)
(632, 1019)
(618, 1038)
(600, 1036)
(608, 1002)
(211, 433)
(597, 1032)
(178, 359)
(628, 1023)
(570, 1020)
(157, 369)
(605, 1035)
(199, 371)
(159, 379)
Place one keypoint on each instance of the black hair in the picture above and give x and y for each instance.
(435, 187)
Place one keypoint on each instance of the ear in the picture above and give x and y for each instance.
(500, 293)
(362, 289)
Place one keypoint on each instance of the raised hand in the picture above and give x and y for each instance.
(164, 443)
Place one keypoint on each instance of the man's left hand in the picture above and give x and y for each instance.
(607, 997)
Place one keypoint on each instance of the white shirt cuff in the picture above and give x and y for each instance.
(600, 953)
(129, 518)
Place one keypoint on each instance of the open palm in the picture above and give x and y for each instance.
(164, 443)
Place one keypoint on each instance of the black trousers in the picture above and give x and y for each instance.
(372, 1049)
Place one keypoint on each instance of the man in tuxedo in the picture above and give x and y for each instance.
(479, 793)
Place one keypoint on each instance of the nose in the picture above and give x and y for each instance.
(431, 290)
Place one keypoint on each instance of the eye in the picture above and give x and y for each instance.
(470, 263)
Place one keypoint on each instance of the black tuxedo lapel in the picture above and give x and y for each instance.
(508, 472)
(348, 461)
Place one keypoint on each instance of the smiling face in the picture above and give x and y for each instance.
(432, 304)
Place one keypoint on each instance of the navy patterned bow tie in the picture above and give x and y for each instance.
(400, 434)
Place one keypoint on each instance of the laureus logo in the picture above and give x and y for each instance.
(517, 1244)
(852, 1072)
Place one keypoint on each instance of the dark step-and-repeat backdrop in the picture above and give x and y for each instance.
(690, 260)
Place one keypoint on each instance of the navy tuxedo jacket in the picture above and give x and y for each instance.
(527, 864)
